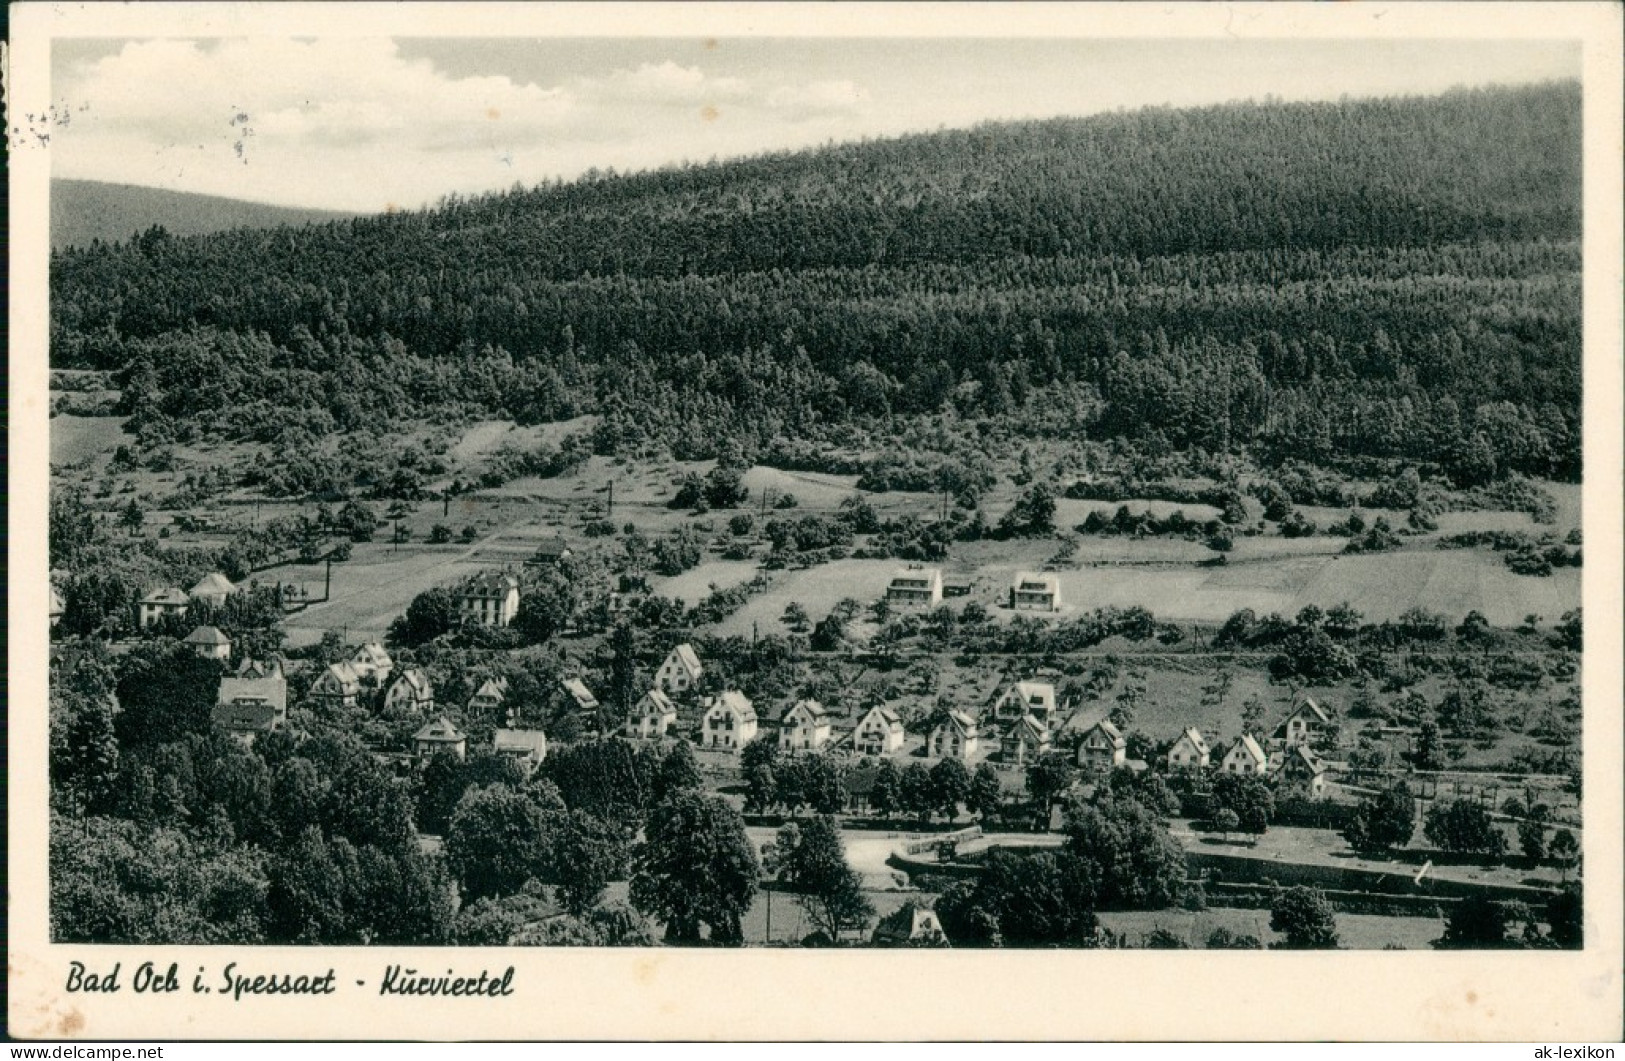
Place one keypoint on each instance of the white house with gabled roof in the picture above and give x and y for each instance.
(339, 684)
(879, 732)
(729, 722)
(440, 736)
(1024, 741)
(1245, 758)
(1303, 724)
(804, 727)
(680, 671)
(1103, 748)
(916, 587)
(1035, 592)
(372, 660)
(1026, 698)
(1189, 752)
(654, 716)
(955, 737)
(161, 604)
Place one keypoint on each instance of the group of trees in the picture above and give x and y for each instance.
(1118, 855)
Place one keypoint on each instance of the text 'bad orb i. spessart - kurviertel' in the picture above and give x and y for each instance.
(151, 978)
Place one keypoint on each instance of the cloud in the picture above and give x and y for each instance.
(664, 83)
(353, 123)
(819, 99)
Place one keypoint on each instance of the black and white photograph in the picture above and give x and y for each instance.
(516, 491)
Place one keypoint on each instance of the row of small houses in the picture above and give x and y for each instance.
(920, 587)
(1020, 725)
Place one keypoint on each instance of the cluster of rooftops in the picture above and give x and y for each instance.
(1020, 725)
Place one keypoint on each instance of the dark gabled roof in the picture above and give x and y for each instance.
(552, 547)
(206, 635)
(245, 716)
(171, 596)
(487, 584)
(250, 703)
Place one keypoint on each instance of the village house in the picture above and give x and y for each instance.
(209, 643)
(578, 697)
(1245, 758)
(1299, 772)
(1103, 748)
(880, 732)
(261, 668)
(1189, 752)
(805, 727)
(488, 599)
(654, 717)
(910, 925)
(371, 660)
(528, 747)
(247, 707)
(730, 721)
(161, 604)
(1026, 698)
(680, 672)
(954, 737)
(1035, 592)
(1304, 725)
(212, 589)
(410, 691)
(488, 698)
(1024, 741)
(917, 587)
(440, 736)
(338, 685)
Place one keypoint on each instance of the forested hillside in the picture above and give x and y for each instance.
(1390, 278)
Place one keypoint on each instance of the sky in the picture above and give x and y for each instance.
(371, 124)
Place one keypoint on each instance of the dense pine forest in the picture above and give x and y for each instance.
(1367, 278)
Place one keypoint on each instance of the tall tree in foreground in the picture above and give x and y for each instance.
(829, 890)
(1306, 920)
(695, 870)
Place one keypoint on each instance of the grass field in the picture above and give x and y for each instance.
(1356, 931)
(375, 585)
(78, 438)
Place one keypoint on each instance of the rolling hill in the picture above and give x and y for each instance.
(85, 211)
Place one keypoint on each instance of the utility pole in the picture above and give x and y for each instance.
(327, 589)
(609, 509)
